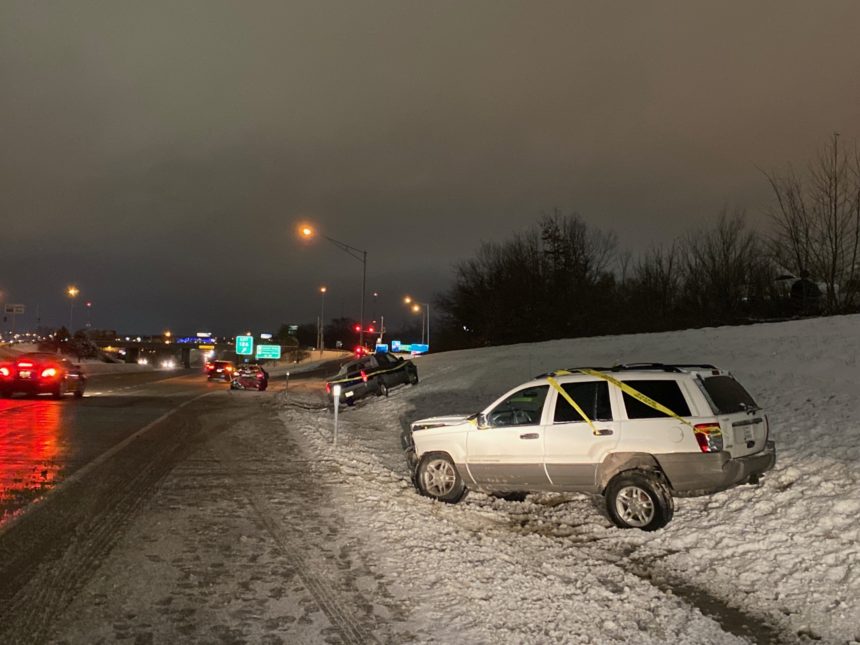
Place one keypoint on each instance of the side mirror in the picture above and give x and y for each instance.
(483, 423)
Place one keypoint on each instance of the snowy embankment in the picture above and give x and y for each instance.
(779, 561)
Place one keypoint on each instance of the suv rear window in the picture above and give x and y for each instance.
(667, 393)
(591, 396)
(728, 395)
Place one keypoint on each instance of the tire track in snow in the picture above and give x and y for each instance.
(327, 599)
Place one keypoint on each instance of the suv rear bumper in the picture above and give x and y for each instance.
(708, 473)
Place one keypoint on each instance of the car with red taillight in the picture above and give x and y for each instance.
(637, 434)
(42, 373)
(354, 380)
(250, 377)
(219, 370)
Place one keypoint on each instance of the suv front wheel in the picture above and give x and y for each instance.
(638, 499)
(437, 477)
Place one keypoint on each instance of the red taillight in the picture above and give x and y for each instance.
(25, 364)
(709, 436)
(49, 372)
(328, 388)
(4, 371)
(364, 376)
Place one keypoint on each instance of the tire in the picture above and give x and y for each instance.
(639, 499)
(79, 394)
(382, 389)
(59, 391)
(437, 477)
(413, 378)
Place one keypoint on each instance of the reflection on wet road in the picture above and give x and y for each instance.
(29, 443)
(43, 441)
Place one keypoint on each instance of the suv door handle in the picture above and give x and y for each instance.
(530, 435)
(603, 432)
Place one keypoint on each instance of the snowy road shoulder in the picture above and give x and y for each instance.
(782, 557)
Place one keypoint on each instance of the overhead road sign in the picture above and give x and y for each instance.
(16, 310)
(244, 345)
(269, 351)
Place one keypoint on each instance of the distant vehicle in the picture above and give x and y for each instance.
(635, 434)
(375, 374)
(167, 364)
(219, 370)
(250, 377)
(42, 373)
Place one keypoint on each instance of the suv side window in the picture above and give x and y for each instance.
(668, 393)
(522, 408)
(591, 396)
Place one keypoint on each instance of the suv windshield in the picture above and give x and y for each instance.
(728, 395)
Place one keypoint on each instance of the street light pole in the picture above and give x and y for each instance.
(322, 319)
(72, 291)
(308, 232)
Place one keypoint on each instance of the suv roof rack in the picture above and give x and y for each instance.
(625, 367)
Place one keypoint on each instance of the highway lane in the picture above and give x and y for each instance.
(43, 441)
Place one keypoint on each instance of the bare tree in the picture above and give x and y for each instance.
(722, 267)
(817, 223)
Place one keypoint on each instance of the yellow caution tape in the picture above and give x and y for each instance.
(636, 394)
(570, 400)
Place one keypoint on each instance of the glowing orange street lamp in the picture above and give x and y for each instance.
(416, 307)
(72, 291)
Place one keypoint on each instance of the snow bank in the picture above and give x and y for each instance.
(782, 557)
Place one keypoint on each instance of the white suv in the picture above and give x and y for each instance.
(637, 434)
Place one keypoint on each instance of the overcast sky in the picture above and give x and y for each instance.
(159, 154)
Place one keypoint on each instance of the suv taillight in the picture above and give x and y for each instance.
(364, 376)
(328, 388)
(709, 436)
(49, 372)
(4, 371)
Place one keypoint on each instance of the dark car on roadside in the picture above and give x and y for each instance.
(250, 377)
(375, 374)
(219, 370)
(42, 373)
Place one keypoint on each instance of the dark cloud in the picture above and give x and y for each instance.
(160, 153)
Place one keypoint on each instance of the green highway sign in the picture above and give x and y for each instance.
(244, 345)
(268, 351)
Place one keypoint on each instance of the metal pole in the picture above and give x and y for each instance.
(336, 392)
(363, 289)
(71, 313)
(322, 324)
(428, 326)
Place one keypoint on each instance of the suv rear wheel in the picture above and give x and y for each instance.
(437, 477)
(638, 499)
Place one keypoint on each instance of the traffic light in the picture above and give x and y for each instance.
(358, 328)
(370, 329)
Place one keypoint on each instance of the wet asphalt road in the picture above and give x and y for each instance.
(43, 441)
(110, 451)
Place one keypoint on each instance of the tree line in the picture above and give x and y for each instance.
(562, 278)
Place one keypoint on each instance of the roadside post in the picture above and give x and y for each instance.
(336, 391)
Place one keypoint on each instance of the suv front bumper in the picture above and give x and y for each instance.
(708, 473)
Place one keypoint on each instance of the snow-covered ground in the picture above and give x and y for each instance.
(776, 562)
